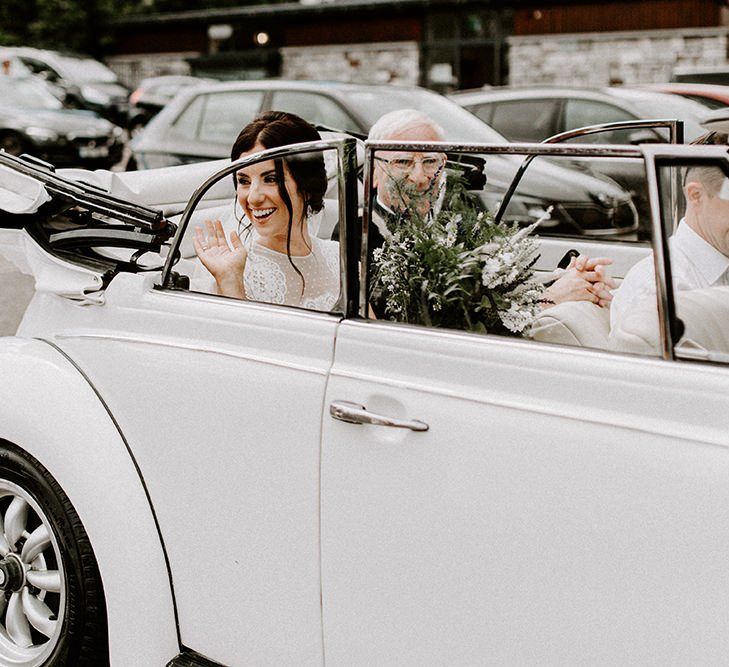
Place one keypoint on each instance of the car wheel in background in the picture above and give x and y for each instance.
(13, 143)
(52, 609)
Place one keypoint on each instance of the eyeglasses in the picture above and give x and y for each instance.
(404, 165)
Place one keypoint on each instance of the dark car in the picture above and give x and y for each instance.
(84, 82)
(153, 93)
(202, 123)
(34, 121)
(533, 114)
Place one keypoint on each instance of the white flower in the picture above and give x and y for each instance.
(490, 273)
(517, 317)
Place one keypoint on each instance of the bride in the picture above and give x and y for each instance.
(272, 257)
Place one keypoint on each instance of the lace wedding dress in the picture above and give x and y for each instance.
(270, 277)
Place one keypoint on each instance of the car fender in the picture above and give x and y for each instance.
(49, 409)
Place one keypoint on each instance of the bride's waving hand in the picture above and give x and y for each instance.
(225, 263)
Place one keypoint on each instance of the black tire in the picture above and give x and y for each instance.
(13, 143)
(78, 634)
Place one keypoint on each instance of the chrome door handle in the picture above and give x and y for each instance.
(353, 413)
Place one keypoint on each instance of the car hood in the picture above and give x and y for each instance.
(64, 121)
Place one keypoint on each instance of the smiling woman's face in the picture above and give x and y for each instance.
(258, 194)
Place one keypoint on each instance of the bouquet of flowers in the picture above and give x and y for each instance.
(458, 269)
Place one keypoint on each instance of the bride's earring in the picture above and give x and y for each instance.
(309, 211)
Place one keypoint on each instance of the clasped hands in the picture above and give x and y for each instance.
(584, 279)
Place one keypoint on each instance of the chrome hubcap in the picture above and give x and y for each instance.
(12, 573)
(32, 584)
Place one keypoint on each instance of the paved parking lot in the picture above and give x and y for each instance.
(16, 290)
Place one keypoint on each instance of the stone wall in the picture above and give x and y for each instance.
(598, 59)
(387, 62)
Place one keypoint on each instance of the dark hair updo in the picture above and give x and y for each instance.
(272, 129)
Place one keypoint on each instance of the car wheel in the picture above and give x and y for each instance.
(52, 609)
(13, 143)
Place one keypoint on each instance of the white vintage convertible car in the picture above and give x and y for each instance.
(189, 479)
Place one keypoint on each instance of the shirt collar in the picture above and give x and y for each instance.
(709, 262)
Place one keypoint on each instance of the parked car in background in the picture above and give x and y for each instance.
(710, 74)
(712, 96)
(153, 93)
(202, 123)
(34, 121)
(533, 114)
(321, 487)
(85, 82)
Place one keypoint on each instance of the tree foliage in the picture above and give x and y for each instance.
(81, 25)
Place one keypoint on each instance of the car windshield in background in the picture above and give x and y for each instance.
(28, 94)
(85, 70)
(459, 125)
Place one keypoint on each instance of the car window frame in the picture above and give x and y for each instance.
(349, 247)
(675, 130)
(659, 157)
(666, 311)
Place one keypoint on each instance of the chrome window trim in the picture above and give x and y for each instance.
(649, 153)
(675, 128)
(528, 149)
(664, 155)
(346, 180)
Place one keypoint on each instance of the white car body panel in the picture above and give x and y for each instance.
(478, 542)
(199, 384)
(566, 505)
(71, 431)
(50, 273)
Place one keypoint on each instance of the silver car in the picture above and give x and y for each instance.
(202, 124)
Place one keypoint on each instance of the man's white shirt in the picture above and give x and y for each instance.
(695, 263)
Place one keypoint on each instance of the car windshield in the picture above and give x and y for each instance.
(28, 94)
(457, 123)
(664, 105)
(85, 70)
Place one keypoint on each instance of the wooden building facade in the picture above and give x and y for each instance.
(456, 43)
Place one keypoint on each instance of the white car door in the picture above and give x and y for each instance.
(220, 402)
(564, 505)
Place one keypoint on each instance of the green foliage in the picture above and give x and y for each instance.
(458, 269)
(81, 25)
(68, 25)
